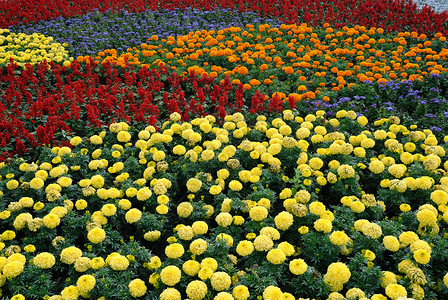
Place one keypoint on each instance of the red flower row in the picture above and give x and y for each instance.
(396, 15)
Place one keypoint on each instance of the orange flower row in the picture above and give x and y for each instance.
(312, 61)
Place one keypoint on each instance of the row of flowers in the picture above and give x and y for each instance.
(295, 59)
(396, 15)
(294, 206)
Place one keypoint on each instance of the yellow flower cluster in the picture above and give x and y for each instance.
(32, 49)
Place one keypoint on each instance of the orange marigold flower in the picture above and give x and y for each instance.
(243, 71)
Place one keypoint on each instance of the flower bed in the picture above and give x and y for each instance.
(310, 206)
(292, 60)
(177, 170)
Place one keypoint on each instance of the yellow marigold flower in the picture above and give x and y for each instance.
(376, 166)
(215, 190)
(170, 275)
(422, 257)
(137, 288)
(29, 248)
(439, 197)
(170, 294)
(179, 150)
(96, 235)
(51, 220)
(119, 262)
(199, 227)
(276, 256)
(323, 225)
(271, 232)
(445, 280)
(174, 250)
(258, 213)
(224, 219)
(396, 170)
(357, 206)
(175, 117)
(124, 204)
(395, 291)
(96, 140)
(209, 210)
(37, 183)
(44, 260)
(196, 290)
(97, 181)
(372, 230)
(287, 248)
(220, 281)
(426, 217)
(284, 220)
(245, 248)
(198, 246)
(85, 283)
(337, 274)
(82, 264)
(339, 238)
(405, 207)
(338, 296)
(223, 173)
(97, 263)
(388, 278)
(317, 208)
(12, 184)
(235, 185)
(225, 237)
(240, 292)
(109, 210)
(303, 229)
(70, 293)
(238, 220)
(263, 243)
(123, 136)
(298, 266)
(184, 209)
(391, 243)
(346, 171)
(191, 267)
(272, 293)
(408, 237)
(70, 255)
(362, 120)
(194, 185)
(133, 215)
(205, 273)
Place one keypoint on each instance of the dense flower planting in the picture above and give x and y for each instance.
(233, 157)
(310, 62)
(310, 206)
(32, 49)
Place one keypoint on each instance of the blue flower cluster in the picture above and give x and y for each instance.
(95, 31)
